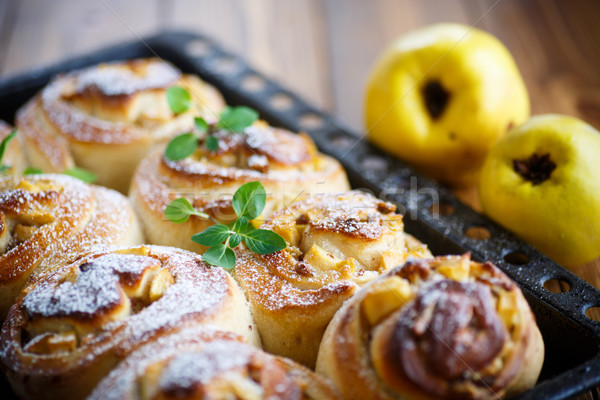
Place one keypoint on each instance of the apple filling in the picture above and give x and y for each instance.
(131, 92)
(333, 238)
(220, 370)
(260, 148)
(14, 232)
(23, 211)
(105, 289)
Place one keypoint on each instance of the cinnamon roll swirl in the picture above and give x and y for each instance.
(209, 365)
(441, 328)
(335, 244)
(106, 118)
(50, 216)
(14, 158)
(65, 333)
(288, 165)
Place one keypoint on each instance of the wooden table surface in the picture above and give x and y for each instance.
(323, 49)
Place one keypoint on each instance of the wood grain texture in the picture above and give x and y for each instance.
(323, 49)
(45, 32)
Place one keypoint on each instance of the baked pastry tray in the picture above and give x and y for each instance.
(431, 212)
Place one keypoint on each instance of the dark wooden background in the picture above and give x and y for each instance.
(323, 49)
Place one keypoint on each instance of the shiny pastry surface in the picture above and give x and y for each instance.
(209, 365)
(107, 117)
(67, 331)
(336, 243)
(436, 328)
(49, 217)
(287, 164)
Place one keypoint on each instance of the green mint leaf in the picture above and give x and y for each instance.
(240, 225)
(179, 210)
(3, 146)
(181, 146)
(201, 124)
(249, 200)
(213, 235)
(179, 99)
(81, 174)
(236, 119)
(32, 171)
(6, 141)
(234, 240)
(249, 228)
(212, 143)
(262, 241)
(221, 256)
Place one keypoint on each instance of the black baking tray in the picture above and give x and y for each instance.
(572, 340)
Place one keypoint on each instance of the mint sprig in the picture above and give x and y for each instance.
(32, 171)
(75, 172)
(181, 146)
(3, 146)
(81, 174)
(236, 119)
(179, 99)
(232, 119)
(180, 210)
(248, 203)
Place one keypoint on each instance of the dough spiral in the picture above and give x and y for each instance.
(66, 332)
(209, 364)
(107, 117)
(288, 165)
(49, 216)
(440, 328)
(336, 243)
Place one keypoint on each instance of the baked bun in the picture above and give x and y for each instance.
(209, 365)
(288, 165)
(446, 327)
(13, 155)
(64, 334)
(106, 118)
(336, 243)
(50, 216)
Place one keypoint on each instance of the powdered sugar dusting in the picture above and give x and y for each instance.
(276, 280)
(76, 124)
(95, 290)
(199, 295)
(98, 104)
(204, 363)
(124, 78)
(68, 216)
(184, 370)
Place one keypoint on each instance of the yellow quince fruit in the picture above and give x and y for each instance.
(540, 181)
(439, 97)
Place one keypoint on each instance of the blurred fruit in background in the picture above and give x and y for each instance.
(439, 97)
(540, 181)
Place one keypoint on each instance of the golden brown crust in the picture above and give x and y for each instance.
(13, 156)
(66, 332)
(440, 328)
(50, 216)
(106, 118)
(336, 243)
(288, 165)
(208, 364)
